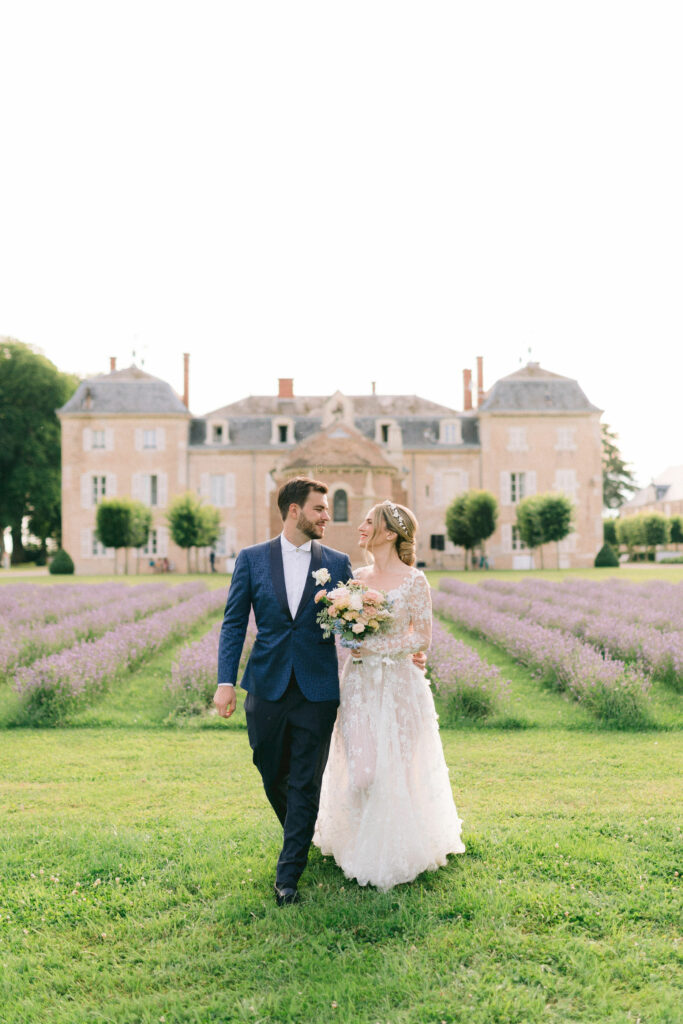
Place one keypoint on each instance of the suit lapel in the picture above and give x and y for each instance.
(277, 573)
(316, 562)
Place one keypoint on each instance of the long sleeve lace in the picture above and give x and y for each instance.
(411, 629)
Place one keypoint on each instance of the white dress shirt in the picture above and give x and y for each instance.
(296, 563)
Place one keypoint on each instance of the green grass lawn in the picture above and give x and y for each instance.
(138, 858)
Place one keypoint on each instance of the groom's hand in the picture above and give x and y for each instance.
(420, 659)
(225, 699)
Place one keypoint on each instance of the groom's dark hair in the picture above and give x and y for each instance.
(296, 491)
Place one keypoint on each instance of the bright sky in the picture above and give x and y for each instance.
(351, 192)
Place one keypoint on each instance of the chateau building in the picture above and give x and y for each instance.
(127, 433)
(663, 495)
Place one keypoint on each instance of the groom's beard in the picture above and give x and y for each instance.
(309, 529)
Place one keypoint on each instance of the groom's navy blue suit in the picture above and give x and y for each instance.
(292, 683)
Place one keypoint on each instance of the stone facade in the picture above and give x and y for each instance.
(127, 433)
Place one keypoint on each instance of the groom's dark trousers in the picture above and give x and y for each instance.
(292, 684)
(290, 740)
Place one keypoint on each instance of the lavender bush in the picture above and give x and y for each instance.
(614, 692)
(470, 686)
(27, 643)
(53, 687)
(193, 675)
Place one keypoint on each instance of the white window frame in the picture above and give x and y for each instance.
(288, 423)
(516, 542)
(517, 439)
(566, 439)
(566, 482)
(345, 491)
(149, 439)
(450, 432)
(99, 488)
(99, 435)
(217, 489)
(152, 545)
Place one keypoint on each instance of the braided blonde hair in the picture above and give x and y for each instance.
(399, 520)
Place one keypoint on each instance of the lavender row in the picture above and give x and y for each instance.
(471, 686)
(22, 603)
(52, 687)
(658, 653)
(657, 604)
(193, 675)
(28, 643)
(612, 691)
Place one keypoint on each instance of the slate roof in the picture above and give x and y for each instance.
(668, 486)
(533, 389)
(392, 406)
(124, 392)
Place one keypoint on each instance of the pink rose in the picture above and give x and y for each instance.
(320, 595)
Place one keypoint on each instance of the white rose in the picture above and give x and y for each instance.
(356, 602)
(321, 577)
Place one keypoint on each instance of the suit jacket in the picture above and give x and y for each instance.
(283, 644)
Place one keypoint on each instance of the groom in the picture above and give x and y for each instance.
(291, 679)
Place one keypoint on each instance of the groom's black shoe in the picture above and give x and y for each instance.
(286, 895)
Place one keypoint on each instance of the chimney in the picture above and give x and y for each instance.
(480, 380)
(467, 383)
(285, 387)
(374, 382)
(186, 379)
(112, 363)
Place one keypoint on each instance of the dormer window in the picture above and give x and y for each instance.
(450, 432)
(384, 432)
(217, 433)
(282, 431)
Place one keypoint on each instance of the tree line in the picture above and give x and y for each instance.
(541, 519)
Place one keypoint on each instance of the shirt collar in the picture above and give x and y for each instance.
(288, 546)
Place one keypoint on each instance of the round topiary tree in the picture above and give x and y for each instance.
(61, 564)
(606, 558)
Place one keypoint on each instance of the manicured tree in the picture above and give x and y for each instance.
(676, 530)
(609, 532)
(184, 519)
(458, 526)
(606, 558)
(481, 510)
(61, 564)
(530, 523)
(556, 519)
(209, 527)
(140, 527)
(114, 526)
(656, 532)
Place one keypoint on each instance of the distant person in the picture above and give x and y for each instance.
(212, 560)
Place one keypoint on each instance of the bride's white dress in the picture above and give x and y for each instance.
(386, 806)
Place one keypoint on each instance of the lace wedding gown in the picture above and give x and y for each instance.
(386, 807)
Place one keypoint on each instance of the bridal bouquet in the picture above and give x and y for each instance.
(353, 611)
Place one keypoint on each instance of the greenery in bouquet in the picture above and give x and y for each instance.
(353, 611)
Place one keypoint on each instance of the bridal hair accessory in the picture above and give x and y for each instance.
(397, 515)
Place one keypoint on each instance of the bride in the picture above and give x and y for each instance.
(386, 808)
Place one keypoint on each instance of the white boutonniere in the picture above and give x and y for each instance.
(321, 577)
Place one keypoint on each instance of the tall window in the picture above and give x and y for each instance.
(517, 487)
(149, 439)
(217, 489)
(98, 548)
(282, 432)
(98, 439)
(217, 433)
(384, 433)
(152, 545)
(566, 439)
(517, 439)
(517, 542)
(451, 432)
(340, 507)
(99, 489)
